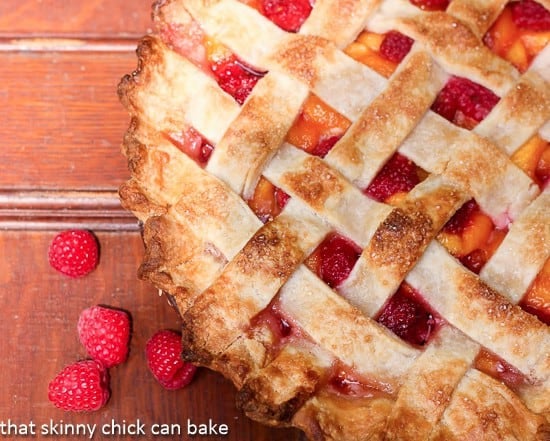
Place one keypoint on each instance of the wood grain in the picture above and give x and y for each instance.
(62, 125)
(38, 338)
(90, 19)
(63, 122)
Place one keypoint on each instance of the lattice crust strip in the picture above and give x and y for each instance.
(224, 268)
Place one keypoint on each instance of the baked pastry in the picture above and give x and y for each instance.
(348, 203)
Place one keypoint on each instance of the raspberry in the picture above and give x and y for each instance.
(163, 353)
(74, 253)
(337, 257)
(395, 46)
(399, 174)
(81, 386)
(287, 14)
(281, 197)
(193, 144)
(105, 333)
(431, 5)
(407, 317)
(461, 98)
(235, 78)
(324, 145)
(462, 218)
(528, 14)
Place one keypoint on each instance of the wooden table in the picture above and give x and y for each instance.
(60, 62)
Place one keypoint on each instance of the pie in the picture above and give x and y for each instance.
(348, 203)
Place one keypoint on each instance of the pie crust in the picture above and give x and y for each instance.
(229, 274)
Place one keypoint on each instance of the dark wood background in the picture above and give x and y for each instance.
(61, 126)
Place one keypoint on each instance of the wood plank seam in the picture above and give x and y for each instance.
(62, 209)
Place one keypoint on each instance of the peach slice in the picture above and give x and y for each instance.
(264, 202)
(518, 46)
(316, 122)
(475, 235)
(497, 368)
(365, 49)
(531, 157)
(537, 298)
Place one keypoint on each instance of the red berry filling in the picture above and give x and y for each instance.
(542, 312)
(334, 259)
(281, 198)
(274, 319)
(528, 14)
(192, 144)
(462, 218)
(235, 77)
(343, 380)
(287, 14)
(431, 5)
(395, 46)
(399, 174)
(499, 369)
(408, 317)
(464, 102)
(325, 145)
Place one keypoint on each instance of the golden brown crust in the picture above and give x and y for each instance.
(277, 391)
(222, 268)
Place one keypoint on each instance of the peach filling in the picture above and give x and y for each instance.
(520, 32)
(316, 129)
(494, 366)
(471, 236)
(534, 159)
(537, 299)
(268, 201)
(380, 52)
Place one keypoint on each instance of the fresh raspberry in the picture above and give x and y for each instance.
(528, 14)
(325, 145)
(408, 318)
(431, 5)
(74, 253)
(163, 353)
(234, 77)
(399, 174)
(105, 333)
(462, 218)
(337, 256)
(395, 46)
(81, 386)
(461, 98)
(287, 14)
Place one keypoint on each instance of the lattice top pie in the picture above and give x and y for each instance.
(348, 202)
